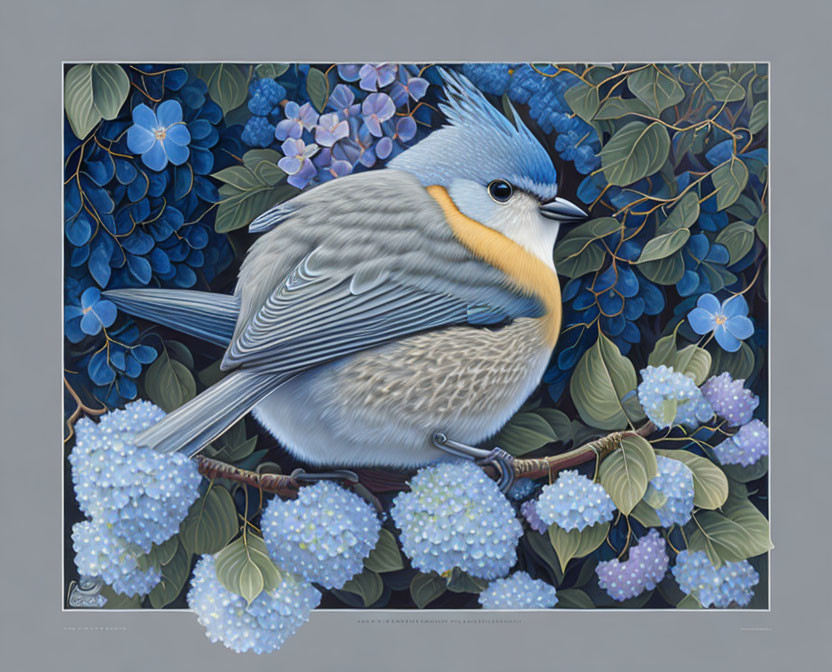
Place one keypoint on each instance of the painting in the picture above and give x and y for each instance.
(402, 336)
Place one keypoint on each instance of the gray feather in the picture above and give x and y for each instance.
(208, 316)
(191, 427)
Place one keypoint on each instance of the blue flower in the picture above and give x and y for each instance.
(159, 136)
(258, 132)
(376, 109)
(330, 130)
(728, 321)
(342, 101)
(94, 314)
(296, 162)
(700, 256)
(298, 118)
(375, 76)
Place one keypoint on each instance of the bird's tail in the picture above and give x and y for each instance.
(191, 427)
(206, 315)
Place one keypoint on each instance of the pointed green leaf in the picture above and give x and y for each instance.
(576, 543)
(655, 87)
(667, 271)
(617, 107)
(625, 473)
(762, 228)
(575, 255)
(425, 588)
(79, 100)
(270, 70)
(168, 383)
(710, 486)
(729, 181)
(211, 522)
(462, 582)
(725, 89)
(664, 245)
(738, 237)
(317, 88)
(635, 151)
(683, 216)
(174, 574)
(385, 557)
(367, 585)
(739, 533)
(646, 515)
(524, 433)
(245, 568)
(110, 87)
(227, 85)
(573, 598)
(759, 117)
(583, 100)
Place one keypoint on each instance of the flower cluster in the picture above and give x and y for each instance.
(746, 447)
(529, 511)
(140, 494)
(731, 582)
(670, 491)
(370, 115)
(730, 399)
(323, 536)
(455, 516)
(669, 398)
(518, 591)
(643, 570)
(99, 552)
(261, 626)
(574, 502)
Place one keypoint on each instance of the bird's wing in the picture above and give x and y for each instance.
(379, 263)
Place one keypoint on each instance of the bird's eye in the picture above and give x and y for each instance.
(500, 190)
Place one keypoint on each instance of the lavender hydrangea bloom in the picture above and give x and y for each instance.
(330, 130)
(375, 76)
(408, 87)
(298, 118)
(349, 72)
(529, 511)
(342, 101)
(375, 110)
(296, 162)
(358, 148)
(330, 168)
(746, 447)
(730, 399)
(643, 570)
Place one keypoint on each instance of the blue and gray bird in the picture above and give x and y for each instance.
(383, 308)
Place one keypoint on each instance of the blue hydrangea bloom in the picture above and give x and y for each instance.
(100, 553)
(297, 162)
(299, 118)
(330, 129)
(492, 78)
(730, 399)
(375, 76)
(643, 570)
(323, 536)
(731, 582)
(375, 110)
(159, 136)
(746, 447)
(258, 132)
(574, 502)
(264, 94)
(669, 398)
(262, 626)
(670, 491)
(518, 591)
(455, 516)
(142, 494)
(728, 321)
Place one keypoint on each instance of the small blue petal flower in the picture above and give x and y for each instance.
(728, 321)
(159, 136)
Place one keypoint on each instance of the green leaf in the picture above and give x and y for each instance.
(576, 543)
(635, 151)
(617, 107)
(245, 568)
(725, 89)
(667, 271)
(174, 574)
(180, 352)
(118, 601)
(683, 216)
(573, 598)
(663, 245)
(762, 228)
(367, 585)
(317, 88)
(729, 181)
(211, 374)
(583, 99)
(79, 104)
(759, 117)
(385, 557)
(738, 237)
(110, 86)
(425, 588)
(739, 364)
(211, 522)
(575, 255)
(752, 472)
(524, 433)
(462, 582)
(542, 547)
(270, 70)
(625, 473)
(740, 532)
(689, 602)
(238, 451)
(710, 486)
(227, 85)
(168, 383)
(601, 380)
(646, 515)
(693, 361)
(656, 88)
(160, 554)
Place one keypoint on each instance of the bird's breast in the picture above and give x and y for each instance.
(525, 271)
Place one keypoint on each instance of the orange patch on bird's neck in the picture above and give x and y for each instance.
(528, 273)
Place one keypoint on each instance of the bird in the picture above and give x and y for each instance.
(383, 309)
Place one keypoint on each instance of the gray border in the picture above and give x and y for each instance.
(37, 36)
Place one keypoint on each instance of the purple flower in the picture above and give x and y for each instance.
(349, 72)
(407, 86)
(375, 76)
(357, 149)
(384, 147)
(376, 109)
(728, 321)
(342, 100)
(329, 169)
(94, 314)
(404, 129)
(296, 162)
(159, 136)
(298, 118)
(730, 399)
(330, 130)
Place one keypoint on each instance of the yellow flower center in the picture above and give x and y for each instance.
(161, 133)
(721, 319)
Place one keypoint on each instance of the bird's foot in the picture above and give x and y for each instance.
(335, 475)
(499, 458)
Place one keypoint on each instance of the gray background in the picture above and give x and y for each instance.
(793, 35)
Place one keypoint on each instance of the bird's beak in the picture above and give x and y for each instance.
(562, 210)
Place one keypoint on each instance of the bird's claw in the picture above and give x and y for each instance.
(497, 457)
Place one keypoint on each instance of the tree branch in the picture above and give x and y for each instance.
(288, 487)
